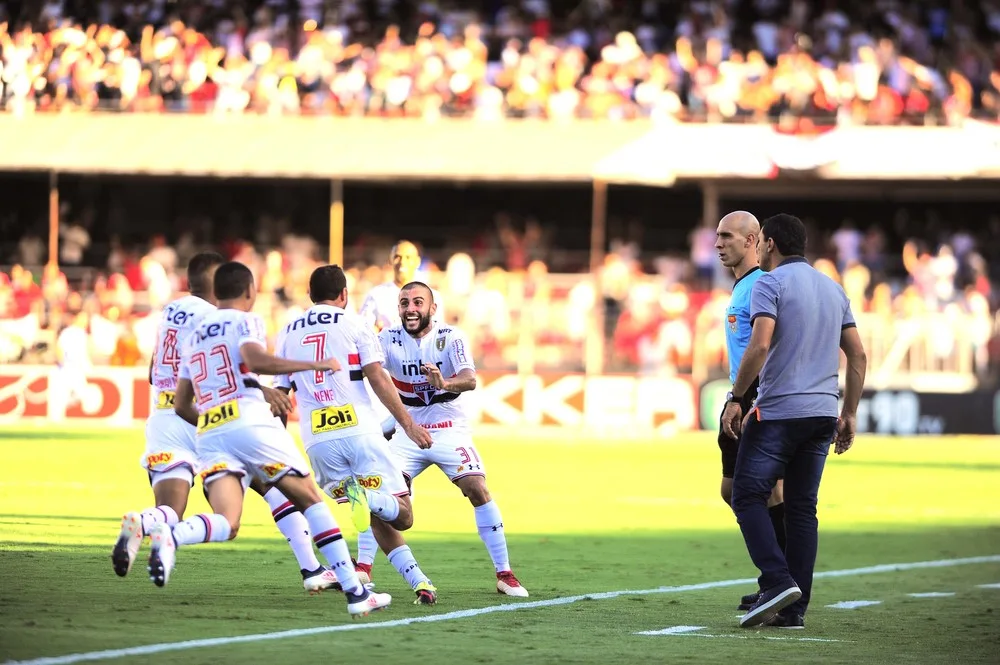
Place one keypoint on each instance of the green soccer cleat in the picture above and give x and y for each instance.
(361, 514)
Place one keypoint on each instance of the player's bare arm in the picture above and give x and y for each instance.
(386, 393)
(462, 382)
(750, 366)
(260, 361)
(184, 402)
(857, 366)
(151, 368)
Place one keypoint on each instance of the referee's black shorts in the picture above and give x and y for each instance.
(730, 447)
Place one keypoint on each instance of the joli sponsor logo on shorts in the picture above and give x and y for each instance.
(158, 459)
(333, 418)
(165, 400)
(218, 416)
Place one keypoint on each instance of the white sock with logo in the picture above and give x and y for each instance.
(383, 506)
(402, 559)
(202, 528)
(153, 516)
(489, 523)
(329, 540)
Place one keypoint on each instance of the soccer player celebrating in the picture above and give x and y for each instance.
(380, 308)
(340, 430)
(218, 391)
(170, 458)
(736, 242)
(420, 353)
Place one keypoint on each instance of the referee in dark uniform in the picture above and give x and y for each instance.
(736, 243)
(801, 321)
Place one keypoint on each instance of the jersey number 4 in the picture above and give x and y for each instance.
(170, 356)
(318, 342)
(223, 368)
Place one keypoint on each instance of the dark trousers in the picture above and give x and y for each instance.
(795, 450)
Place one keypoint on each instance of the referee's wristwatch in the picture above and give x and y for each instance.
(730, 397)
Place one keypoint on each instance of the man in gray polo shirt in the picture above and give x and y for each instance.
(801, 320)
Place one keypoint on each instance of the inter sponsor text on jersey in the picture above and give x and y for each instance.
(179, 319)
(226, 392)
(444, 346)
(332, 405)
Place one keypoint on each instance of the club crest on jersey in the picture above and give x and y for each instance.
(439, 345)
(732, 322)
(424, 391)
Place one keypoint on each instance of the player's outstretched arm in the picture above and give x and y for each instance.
(260, 361)
(386, 393)
(184, 401)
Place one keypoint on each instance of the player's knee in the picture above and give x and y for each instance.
(404, 520)
(234, 528)
(477, 493)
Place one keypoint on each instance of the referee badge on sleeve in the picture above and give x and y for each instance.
(732, 322)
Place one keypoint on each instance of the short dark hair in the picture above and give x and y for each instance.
(197, 270)
(788, 233)
(407, 287)
(232, 280)
(327, 283)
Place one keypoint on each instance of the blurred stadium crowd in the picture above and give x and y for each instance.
(664, 314)
(853, 61)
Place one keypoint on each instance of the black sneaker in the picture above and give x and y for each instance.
(791, 620)
(747, 601)
(770, 603)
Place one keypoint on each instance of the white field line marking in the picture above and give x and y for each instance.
(932, 594)
(854, 604)
(149, 649)
(692, 631)
(762, 637)
(988, 586)
(673, 630)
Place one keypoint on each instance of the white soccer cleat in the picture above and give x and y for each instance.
(368, 603)
(127, 547)
(162, 555)
(321, 582)
(509, 585)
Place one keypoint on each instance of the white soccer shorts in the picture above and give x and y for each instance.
(170, 448)
(366, 457)
(453, 452)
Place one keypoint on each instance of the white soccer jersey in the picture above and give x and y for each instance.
(444, 346)
(332, 405)
(179, 319)
(226, 392)
(380, 310)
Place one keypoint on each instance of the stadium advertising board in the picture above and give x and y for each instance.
(611, 403)
(895, 412)
(121, 397)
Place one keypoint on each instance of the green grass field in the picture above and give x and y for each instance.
(581, 517)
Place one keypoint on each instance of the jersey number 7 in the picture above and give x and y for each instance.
(318, 342)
